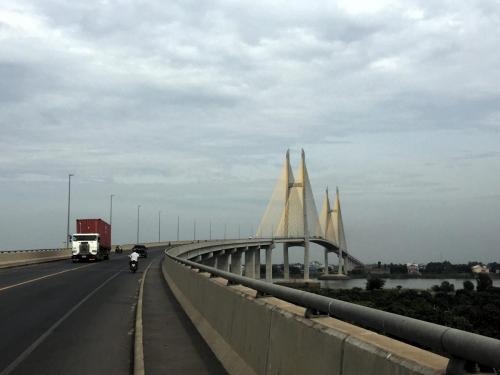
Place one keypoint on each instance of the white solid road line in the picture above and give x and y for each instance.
(42, 338)
(138, 341)
(43, 277)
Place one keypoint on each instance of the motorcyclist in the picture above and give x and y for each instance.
(134, 257)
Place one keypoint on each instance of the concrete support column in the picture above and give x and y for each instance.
(269, 265)
(326, 262)
(250, 263)
(306, 259)
(286, 262)
(210, 262)
(341, 264)
(236, 261)
(257, 262)
(223, 262)
(347, 265)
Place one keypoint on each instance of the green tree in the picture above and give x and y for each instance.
(468, 285)
(374, 282)
(445, 287)
(483, 282)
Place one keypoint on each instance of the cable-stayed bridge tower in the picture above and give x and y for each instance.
(332, 229)
(292, 219)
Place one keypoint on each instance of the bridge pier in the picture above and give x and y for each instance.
(306, 259)
(223, 261)
(325, 272)
(348, 265)
(341, 263)
(250, 263)
(257, 263)
(269, 265)
(211, 262)
(236, 261)
(208, 259)
(286, 262)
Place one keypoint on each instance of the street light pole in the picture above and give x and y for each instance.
(69, 205)
(178, 222)
(225, 227)
(138, 207)
(159, 226)
(194, 230)
(210, 230)
(111, 213)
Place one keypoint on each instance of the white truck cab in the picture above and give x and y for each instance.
(85, 246)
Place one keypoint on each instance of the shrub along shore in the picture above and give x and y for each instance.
(472, 309)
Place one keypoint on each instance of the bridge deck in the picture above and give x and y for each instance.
(172, 345)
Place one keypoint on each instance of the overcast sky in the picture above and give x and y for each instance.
(188, 107)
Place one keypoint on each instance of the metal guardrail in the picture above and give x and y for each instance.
(463, 348)
(30, 251)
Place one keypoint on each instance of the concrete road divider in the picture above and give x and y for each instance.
(24, 257)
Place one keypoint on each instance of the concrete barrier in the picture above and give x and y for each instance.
(25, 257)
(266, 335)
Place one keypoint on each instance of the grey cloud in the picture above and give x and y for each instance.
(191, 106)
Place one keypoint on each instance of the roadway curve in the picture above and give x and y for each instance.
(65, 318)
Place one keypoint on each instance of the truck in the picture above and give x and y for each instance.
(92, 240)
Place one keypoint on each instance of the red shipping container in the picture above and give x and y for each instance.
(96, 226)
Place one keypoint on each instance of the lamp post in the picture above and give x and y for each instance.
(69, 206)
(159, 226)
(111, 209)
(225, 227)
(138, 207)
(111, 213)
(178, 223)
(210, 230)
(194, 230)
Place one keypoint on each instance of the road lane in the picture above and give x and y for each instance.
(94, 338)
(14, 275)
(29, 281)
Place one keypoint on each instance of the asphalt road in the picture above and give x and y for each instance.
(65, 318)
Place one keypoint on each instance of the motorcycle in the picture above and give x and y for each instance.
(133, 265)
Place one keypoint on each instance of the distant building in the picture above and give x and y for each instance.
(377, 269)
(479, 268)
(413, 268)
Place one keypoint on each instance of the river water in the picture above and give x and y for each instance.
(393, 283)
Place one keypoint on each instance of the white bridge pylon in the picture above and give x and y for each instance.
(332, 229)
(291, 213)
